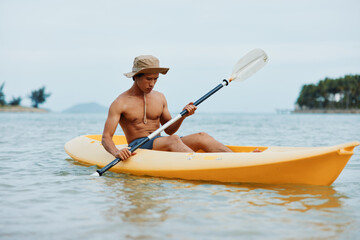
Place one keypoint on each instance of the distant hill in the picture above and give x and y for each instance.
(86, 108)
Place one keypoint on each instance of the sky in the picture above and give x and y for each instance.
(79, 49)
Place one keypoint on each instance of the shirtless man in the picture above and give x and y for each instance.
(140, 111)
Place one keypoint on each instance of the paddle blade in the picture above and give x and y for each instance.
(249, 64)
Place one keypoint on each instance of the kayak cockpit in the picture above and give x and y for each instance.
(121, 140)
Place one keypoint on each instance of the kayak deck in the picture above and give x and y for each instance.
(273, 165)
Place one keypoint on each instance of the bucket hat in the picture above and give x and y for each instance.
(146, 64)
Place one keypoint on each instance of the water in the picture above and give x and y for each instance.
(46, 195)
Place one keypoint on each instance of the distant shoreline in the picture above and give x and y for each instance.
(22, 109)
(352, 111)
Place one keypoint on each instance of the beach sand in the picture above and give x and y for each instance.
(22, 109)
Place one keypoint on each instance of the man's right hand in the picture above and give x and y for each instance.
(123, 154)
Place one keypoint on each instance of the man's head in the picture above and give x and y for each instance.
(146, 81)
(146, 64)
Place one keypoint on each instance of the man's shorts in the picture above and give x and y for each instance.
(148, 145)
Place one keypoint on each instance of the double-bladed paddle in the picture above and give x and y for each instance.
(243, 69)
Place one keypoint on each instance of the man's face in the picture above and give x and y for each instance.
(147, 81)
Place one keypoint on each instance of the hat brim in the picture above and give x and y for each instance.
(147, 70)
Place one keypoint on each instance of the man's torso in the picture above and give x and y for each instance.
(132, 118)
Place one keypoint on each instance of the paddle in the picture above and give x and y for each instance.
(244, 68)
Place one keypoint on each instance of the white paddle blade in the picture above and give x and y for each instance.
(249, 64)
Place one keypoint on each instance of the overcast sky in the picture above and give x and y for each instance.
(79, 49)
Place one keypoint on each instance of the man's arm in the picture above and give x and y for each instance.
(111, 123)
(166, 116)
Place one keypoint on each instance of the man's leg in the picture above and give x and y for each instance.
(171, 143)
(205, 142)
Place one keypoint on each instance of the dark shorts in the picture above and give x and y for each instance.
(148, 145)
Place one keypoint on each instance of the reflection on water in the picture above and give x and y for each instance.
(136, 201)
(144, 200)
(293, 198)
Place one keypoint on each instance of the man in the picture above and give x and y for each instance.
(140, 111)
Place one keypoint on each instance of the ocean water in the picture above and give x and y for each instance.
(44, 194)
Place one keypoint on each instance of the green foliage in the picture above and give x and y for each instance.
(340, 93)
(38, 97)
(2, 95)
(15, 101)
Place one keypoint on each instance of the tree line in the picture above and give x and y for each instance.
(339, 93)
(37, 97)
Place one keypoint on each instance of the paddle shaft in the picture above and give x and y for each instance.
(163, 127)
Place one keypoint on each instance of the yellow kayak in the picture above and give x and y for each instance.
(273, 165)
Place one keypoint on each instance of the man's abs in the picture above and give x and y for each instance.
(139, 130)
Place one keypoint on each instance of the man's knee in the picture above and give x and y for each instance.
(174, 143)
(166, 143)
(173, 139)
(203, 135)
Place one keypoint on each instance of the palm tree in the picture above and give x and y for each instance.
(38, 97)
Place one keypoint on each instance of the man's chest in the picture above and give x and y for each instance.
(136, 109)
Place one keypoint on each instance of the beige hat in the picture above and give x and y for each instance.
(146, 64)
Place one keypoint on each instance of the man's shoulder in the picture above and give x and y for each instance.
(158, 94)
(119, 101)
(123, 96)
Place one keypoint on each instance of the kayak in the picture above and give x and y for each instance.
(269, 165)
